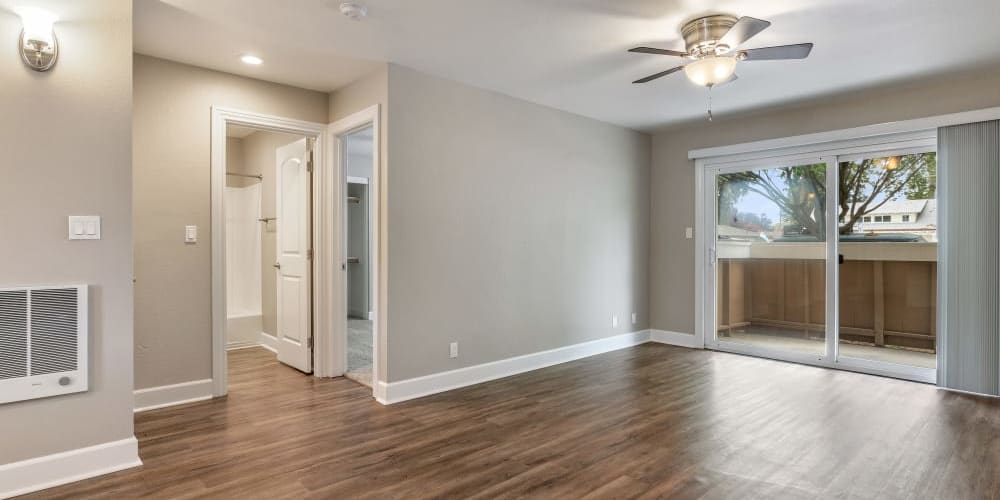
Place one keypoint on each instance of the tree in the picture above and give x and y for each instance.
(864, 187)
(798, 191)
(867, 185)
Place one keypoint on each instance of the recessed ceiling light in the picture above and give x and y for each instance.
(251, 60)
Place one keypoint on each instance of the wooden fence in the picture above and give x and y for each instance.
(883, 302)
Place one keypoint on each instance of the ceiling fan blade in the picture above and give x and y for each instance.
(743, 30)
(797, 51)
(658, 75)
(662, 52)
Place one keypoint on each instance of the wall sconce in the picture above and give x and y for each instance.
(38, 45)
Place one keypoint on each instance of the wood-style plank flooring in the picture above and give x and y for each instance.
(653, 421)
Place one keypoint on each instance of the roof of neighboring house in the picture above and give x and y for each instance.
(926, 217)
(901, 207)
(731, 231)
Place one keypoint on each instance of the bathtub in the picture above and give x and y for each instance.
(243, 329)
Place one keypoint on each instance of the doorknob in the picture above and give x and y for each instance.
(277, 266)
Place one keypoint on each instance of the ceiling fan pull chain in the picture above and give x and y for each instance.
(710, 102)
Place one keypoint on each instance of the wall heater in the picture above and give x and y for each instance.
(43, 341)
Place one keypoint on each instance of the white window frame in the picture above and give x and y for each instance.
(830, 147)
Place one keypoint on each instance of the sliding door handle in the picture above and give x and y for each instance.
(840, 258)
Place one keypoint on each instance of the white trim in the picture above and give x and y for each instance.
(404, 390)
(19, 478)
(269, 342)
(898, 128)
(675, 338)
(220, 118)
(380, 391)
(172, 395)
(331, 287)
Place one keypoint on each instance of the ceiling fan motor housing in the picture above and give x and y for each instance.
(702, 35)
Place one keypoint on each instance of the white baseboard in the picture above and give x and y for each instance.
(379, 390)
(269, 342)
(674, 338)
(404, 390)
(23, 477)
(172, 395)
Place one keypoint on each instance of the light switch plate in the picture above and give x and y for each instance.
(689, 232)
(190, 234)
(84, 227)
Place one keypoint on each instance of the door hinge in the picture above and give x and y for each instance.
(309, 162)
(310, 342)
(309, 254)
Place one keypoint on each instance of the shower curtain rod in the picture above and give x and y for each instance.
(259, 177)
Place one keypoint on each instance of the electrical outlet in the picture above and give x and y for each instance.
(454, 350)
(635, 318)
(614, 321)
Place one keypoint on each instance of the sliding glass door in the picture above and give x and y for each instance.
(887, 240)
(771, 260)
(842, 277)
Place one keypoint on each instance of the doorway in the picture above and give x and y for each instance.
(262, 238)
(358, 155)
(843, 277)
(356, 303)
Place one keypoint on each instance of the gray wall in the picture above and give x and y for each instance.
(172, 188)
(672, 258)
(66, 138)
(513, 228)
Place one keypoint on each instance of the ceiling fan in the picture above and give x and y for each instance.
(712, 43)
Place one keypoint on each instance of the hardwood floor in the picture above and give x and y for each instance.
(652, 421)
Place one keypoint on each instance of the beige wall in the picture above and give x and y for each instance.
(371, 90)
(66, 138)
(672, 285)
(172, 115)
(513, 228)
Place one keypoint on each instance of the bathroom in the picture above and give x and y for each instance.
(252, 235)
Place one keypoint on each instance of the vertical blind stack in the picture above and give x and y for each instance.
(969, 229)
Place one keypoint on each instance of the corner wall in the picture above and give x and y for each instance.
(172, 123)
(672, 257)
(66, 138)
(513, 228)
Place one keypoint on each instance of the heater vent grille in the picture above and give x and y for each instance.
(43, 342)
(13, 333)
(53, 330)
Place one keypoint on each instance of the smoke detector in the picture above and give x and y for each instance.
(353, 10)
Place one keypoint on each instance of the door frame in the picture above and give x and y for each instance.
(335, 257)
(221, 118)
(706, 168)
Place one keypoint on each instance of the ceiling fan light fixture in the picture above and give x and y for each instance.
(711, 70)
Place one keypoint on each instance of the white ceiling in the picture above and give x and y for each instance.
(570, 54)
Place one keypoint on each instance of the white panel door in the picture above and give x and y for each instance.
(293, 236)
